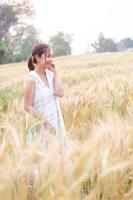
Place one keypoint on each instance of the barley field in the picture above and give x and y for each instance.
(95, 160)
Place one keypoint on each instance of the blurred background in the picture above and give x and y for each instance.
(70, 27)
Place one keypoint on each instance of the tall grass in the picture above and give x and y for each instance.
(94, 160)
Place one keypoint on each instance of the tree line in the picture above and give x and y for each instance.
(109, 45)
(18, 35)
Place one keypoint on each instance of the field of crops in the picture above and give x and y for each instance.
(95, 161)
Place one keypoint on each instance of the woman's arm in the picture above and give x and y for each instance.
(28, 96)
(59, 91)
(58, 87)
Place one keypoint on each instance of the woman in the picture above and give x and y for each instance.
(42, 88)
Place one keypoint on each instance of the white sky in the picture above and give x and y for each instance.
(85, 19)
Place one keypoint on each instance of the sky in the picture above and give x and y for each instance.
(85, 19)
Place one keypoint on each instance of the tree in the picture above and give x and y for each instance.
(104, 44)
(23, 49)
(3, 51)
(125, 43)
(61, 44)
(7, 20)
(14, 26)
(13, 14)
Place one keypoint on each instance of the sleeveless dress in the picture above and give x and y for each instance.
(46, 103)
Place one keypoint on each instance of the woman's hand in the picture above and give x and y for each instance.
(52, 68)
(50, 128)
(58, 88)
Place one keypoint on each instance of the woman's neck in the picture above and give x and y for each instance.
(40, 70)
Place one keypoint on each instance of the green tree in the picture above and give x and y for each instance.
(14, 21)
(12, 15)
(3, 51)
(7, 20)
(104, 44)
(23, 49)
(61, 44)
(125, 43)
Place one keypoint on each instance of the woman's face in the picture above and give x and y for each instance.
(47, 59)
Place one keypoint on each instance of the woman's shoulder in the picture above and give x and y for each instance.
(30, 78)
(31, 75)
(29, 82)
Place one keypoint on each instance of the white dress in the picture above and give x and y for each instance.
(45, 102)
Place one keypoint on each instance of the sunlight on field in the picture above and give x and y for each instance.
(95, 161)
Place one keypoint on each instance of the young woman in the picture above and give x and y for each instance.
(42, 87)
